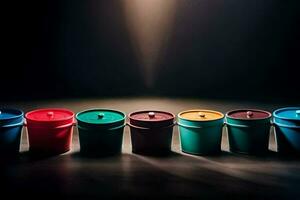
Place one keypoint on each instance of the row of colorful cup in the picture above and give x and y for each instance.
(101, 130)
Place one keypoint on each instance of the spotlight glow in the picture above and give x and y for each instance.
(149, 23)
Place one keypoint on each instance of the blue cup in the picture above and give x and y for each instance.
(11, 124)
(287, 129)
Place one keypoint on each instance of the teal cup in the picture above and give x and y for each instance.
(248, 131)
(100, 132)
(200, 131)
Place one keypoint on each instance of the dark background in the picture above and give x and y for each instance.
(236, 49)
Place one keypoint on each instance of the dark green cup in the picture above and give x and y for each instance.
(248, 131)
(100, 131)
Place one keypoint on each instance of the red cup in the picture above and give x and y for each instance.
(50, 130)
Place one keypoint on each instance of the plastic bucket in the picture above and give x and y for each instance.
(100, 131)
(200, 131)
(287, 129)
(11, 124)
(248, 131)
(151, 132)
(50, 130)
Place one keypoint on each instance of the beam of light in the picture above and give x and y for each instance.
(149, 24)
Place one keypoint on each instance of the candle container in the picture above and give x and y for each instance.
(11, 124)
(50, 130)
(287, 129)
(248, 131)
(200, 131)
(100, 131)
(151, 132)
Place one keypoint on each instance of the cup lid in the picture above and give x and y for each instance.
(9, 114)
(49, 115)
(289, 113)
(151, 118)
(100, 116)
(200, 115)
(248, 114)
